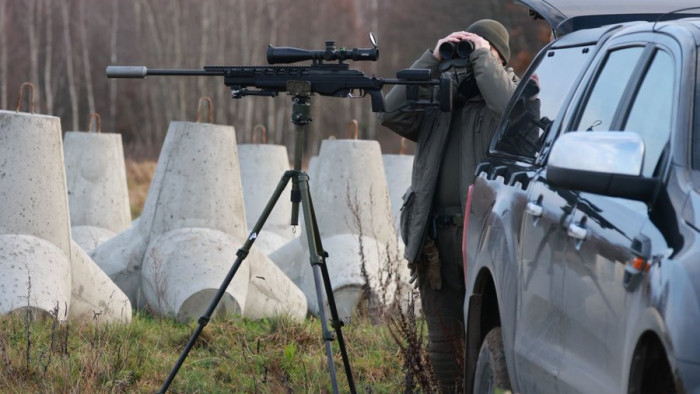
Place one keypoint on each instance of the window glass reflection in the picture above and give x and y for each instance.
(530, 118)
(651, 113)
(605, 96)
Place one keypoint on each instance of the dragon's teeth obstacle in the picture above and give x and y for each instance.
(176, 255)
(97, 191)
(352, 207)
(262, 166)
(43, 270)
(398, 174)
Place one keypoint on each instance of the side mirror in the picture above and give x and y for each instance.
(601, 162)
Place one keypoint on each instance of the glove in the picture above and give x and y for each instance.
(431, 257)
(428, 264)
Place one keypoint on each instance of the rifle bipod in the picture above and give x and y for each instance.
(300, 195)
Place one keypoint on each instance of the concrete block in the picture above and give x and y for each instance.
(184, 268)
(121, 258)
(96, 180)
(177, 254)
(350, 194)
(262, 167)
(89, 237)
(292, 258)
(36, 275)
(94, 295)
(33, 179)
(197, 182)
(398, 169)
(40, 262)
(271, 292)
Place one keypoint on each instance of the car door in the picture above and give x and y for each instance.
(539, 335)
(542, 238)
(634, 89)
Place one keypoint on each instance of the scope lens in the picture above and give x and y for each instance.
(464, 49)
(447, 50)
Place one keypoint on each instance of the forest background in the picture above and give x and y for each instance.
(63, 48)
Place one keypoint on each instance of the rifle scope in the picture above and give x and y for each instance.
(276, 55)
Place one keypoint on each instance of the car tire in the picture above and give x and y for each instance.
(491, 372)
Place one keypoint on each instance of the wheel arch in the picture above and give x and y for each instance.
(650, 368)
(483, 315)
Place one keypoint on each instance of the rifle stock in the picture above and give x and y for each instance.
(336, 80)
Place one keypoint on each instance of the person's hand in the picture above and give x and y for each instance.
(477, 40)
(454, 38)
(536, 86)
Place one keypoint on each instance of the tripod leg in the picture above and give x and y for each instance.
(241, 255)
(317, 257)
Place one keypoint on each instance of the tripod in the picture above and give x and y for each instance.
(301, 109)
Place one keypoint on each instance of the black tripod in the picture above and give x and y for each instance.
(301, 109)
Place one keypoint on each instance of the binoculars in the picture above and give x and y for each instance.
(450, 50)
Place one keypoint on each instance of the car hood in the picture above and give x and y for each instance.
(565, 16)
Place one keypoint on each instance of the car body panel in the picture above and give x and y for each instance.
(571, 318)
(566, 16)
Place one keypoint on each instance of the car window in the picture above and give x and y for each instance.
(652, 109)
(606, 94)
(530, 117)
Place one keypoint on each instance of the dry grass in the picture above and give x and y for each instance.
(138, 179)
(393, 358)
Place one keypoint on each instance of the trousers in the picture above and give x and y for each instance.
(443, 309)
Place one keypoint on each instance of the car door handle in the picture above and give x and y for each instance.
(534, 208)
(578, 232)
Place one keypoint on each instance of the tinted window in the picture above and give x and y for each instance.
(652, 109)
(602, 102)
(530, 117)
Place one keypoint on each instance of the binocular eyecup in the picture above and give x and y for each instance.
(450, 50)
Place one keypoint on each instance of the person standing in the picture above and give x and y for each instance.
(449, 145)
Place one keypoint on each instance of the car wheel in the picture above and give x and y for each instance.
(491, 372)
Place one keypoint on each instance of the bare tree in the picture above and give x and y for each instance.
(86, 56)
(157, 47)
(3, 53)
(205, 23)
(32, 28)
(72, 88)
(37, 43)
(178, 57)
(113, 35)
(48, 53)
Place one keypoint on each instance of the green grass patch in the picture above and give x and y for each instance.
(233, 355)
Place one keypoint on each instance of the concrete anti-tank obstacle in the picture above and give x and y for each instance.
(195, 185)
(262, 166)
(351, 203)
(269, 284)
(100, 291)
(176, 255)
(41, 269)
(97, 191)
(398, 169)
(183, 269)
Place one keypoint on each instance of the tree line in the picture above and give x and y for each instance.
(63, 48)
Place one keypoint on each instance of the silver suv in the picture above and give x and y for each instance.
(582, 233)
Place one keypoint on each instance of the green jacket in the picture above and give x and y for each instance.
(429, 130)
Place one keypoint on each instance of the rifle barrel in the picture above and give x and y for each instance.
(142, 71)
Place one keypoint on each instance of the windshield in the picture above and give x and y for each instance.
(535, 108)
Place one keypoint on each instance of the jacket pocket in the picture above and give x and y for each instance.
(405, 222)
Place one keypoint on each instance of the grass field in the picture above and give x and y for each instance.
(386, 349)
(234, 355)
